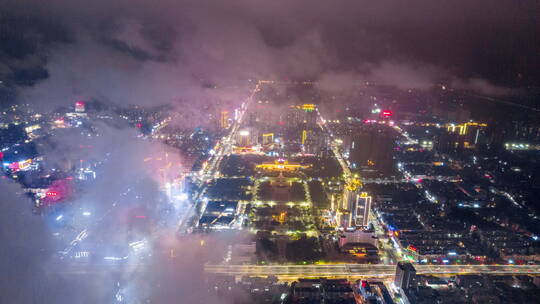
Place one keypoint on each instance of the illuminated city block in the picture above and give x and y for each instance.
(308, 107)
(281, 165)
(353, 184)
(247, 150)
(58, 191)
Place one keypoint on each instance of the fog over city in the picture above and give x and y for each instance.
(189, 58)
(113, 50)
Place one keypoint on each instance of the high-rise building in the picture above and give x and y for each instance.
(243, 139)
(79, 106)
(467, 135)
(348, 204)
(303, 116)
(306, 135)
(224, 119)
(405, 276)
(268, 138)
(294, 117)
(313, 142)
(362, 209)
(247, 137)
(349, 196)
(356, 207)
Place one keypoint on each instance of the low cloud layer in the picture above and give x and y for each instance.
(126, 188)
(194, 52)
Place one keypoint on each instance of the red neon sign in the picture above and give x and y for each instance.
(386, 113)
(14, 166)
(411, 247)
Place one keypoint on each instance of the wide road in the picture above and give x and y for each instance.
(334, 146)
(223, 147)
(225, 144)
(364, 270)
(291, 272)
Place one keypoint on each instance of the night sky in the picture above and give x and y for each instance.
(52, 52)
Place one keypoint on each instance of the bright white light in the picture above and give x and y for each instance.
(244, 133)
(136, 246)
(182, 196)
(81, 254)
(59, 217)
(86, 213)
(114, 258)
